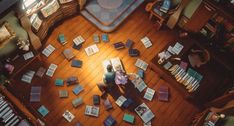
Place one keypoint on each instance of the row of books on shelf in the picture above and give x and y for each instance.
(190, 78)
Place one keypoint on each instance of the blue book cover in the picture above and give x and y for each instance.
(43, 110)
(141, 73)
(133, 52)
(109, 121)
(127, 103)
(119, 45)
(61, 39)
(59, 82)
(76, 63)
(129, 43)
(78, 89)
(77, 47)
(105, 38)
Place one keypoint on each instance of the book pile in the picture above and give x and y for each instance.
(92, 110)
(72, 80)
(96, 100)
(76, 63)
(48, 50)
(133, 52)
(59, 82)
(96, 38)
(119, 45)
(78, 40)
(35, 94)
(149, 94)
(77, 101)
(28, 55)
(107, 104)
(91, 50)
(61, 39)
(50, 71)
(43, 110)
(68, 54)
(28, 76)
(128, 118)
(138, 82)
(68, 116)
(146, 41)
(63, 93)
(115, 62)
(109, 121)
(190, 78)
(120, 100)
(144, 112)
(141, 64)
(77, 89)
(40, 72)
(163, 93)
(105, 38)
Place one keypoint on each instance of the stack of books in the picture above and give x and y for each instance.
(48, 50)
(28, 55)
(128, 118)
(96, 38)
(77, 101)
(40, 72)
(149, 94)
(146, 41)
(78, 40)
(163, 93)
(141, 64)
(119, 45)
(91, 50)
(120, 100)
(105, 38)
(59, 82)
(92, 110)
(144, 112)
(35, 94)
(61, 39)
(72, 80)
(63, 93)
(107, 104)
(109, 121)
(68, 116)
(51, 70)
(138, 83)
(68, 54)
(76, 63)
(28, 76)
(96, 100)
(43, 110)
(77, 89)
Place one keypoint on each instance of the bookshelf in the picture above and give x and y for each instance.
(212, 80)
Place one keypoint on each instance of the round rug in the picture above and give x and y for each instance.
(110, 4)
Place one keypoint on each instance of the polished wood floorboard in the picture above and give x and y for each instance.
(176, 112)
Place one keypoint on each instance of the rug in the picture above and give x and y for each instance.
(107, 16)
(110, 4)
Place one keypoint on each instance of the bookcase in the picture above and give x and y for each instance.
(216, 76)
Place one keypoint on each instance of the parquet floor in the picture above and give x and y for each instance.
(176, 112)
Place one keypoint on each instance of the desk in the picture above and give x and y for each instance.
(215, 76)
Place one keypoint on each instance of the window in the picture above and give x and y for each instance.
(31, 6)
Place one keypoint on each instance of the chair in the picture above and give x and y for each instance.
(162, 9)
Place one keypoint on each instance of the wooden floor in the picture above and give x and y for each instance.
(176, 112)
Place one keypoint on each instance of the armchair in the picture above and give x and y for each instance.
(162, 9)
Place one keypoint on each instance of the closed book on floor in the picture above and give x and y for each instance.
(43, 110)
(61, 39)
(133, 52)
(96, 99)
(77, 101)
(129, 43)
(163, 93)
(76, 63)
(72, 80)
(96, 38)
(140, 72)
(105, 38)
(109, 121)
(77, 89)
(128, 118)
(119, 45)
(68, 54)
(127, 103)
(107, 104)
(59, 82)
(77, 47)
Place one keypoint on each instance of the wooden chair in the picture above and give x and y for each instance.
(154, 9)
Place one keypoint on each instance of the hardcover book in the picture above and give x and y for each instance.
(163, 93)
(76, 63)
(96, 38)
(119, 45)
(40, 72)
(77, 89)
(28, 76)
(92, 110)
(35, 94)
(149, 94)
(96, 99)
(61, 39)
(128, 118)
(59, 82)
(43, 110)
(129, 43)
(133, 52)
(109, 121)
(144, 112)
(68, 116)
(72, 80)
(68, 54)
(63, 93)
(107, 104)
(77, 47)
(105, 38)
(127, 103)
(77, 101)
(120, 100)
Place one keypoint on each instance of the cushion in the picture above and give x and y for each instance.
(6, 33)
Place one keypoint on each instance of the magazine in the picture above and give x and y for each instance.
(144, 112)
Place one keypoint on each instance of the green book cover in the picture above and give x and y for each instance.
(128, 118)
(59, 82)
(191, 72)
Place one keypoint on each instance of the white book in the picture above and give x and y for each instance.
(92, 110)
(91, 50)
(149, 94)
(120, 100)
(144, 112)
(50, 71)
(170, 49)
(28, 55)
(78, 40)
(146, 41)
(141, 64)
(68, 116)
(139, 83)
(177, 48)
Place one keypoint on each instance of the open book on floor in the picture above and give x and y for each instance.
(144, 112)
(91, 50)
(120, 101)
(48, 50)
(92, 110)
(149, 94)
(138, 82)
(115, 62)
(68, 116)
(141, 64)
